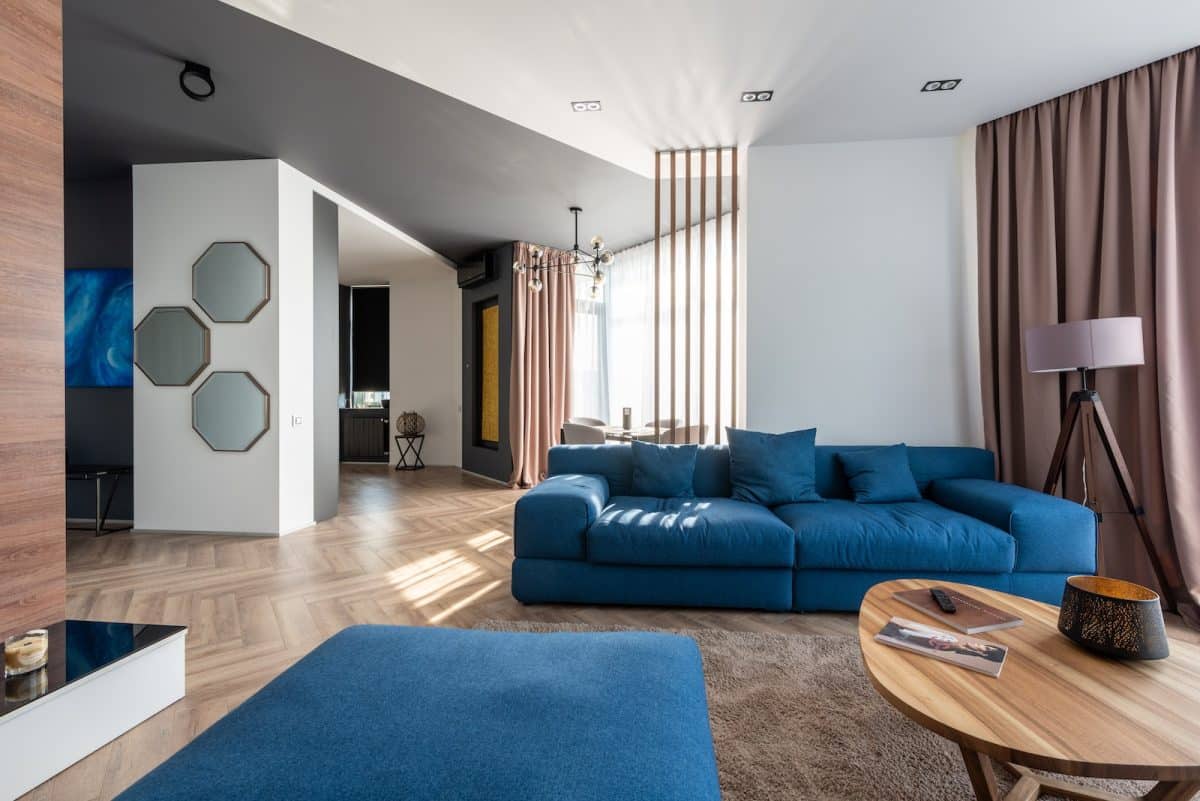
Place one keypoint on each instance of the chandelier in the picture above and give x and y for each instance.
(580, 262)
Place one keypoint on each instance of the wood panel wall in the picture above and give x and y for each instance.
(32, 495)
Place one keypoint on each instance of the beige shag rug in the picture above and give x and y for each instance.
(794, 718)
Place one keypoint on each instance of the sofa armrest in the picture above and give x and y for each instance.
(552, 519)
(1052, 534)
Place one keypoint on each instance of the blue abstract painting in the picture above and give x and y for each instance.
(99, 328)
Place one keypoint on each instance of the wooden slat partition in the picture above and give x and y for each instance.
(674, 306)
(717, 338)
(705, 411)
(657, 271)
(32, 487)
(687, 306)
(733, 305)
(703, 282)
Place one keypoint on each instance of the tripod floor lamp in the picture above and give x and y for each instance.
(1083, 346)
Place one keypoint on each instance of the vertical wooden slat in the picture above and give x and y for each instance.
(717, 277)
(733, 306)
(657, 260)
(674, 352)
(687, 305)
(703, 281)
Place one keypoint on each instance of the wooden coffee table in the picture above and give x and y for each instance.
(1055, 706)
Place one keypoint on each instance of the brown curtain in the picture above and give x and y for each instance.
(1089, 206)
(540, 390)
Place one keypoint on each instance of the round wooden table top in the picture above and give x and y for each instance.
(1054, 706)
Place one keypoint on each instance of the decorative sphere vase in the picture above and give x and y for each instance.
(410, 424)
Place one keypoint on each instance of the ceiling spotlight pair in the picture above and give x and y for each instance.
(758, 96)
(585, 105)
(944, 85)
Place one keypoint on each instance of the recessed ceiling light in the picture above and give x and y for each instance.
(585, 105)
(758, 96)
(944, 85)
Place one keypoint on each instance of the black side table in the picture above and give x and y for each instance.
(97, 473)
(409, 445)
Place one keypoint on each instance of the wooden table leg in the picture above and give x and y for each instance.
(1041, 783)
(983, 777)
(1173, 791)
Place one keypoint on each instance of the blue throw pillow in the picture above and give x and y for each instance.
(880, 475)
(663, 471)
(773, 469)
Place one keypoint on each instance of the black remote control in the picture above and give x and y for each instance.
(943, 601)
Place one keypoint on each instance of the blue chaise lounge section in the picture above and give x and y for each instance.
(581, 536)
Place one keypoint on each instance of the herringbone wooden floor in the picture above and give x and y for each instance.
(426, 548)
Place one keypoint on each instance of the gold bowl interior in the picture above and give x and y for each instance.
(1112, 588)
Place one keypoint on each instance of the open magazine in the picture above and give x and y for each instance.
(957, 649)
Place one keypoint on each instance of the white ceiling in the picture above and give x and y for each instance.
(669, 72)
(371, 254)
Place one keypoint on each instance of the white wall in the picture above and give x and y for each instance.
(859, 317)
(294, 406)
(425, 355)
(178, 210)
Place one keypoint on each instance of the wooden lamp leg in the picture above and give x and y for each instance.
(1060, 448)
(1125, 481)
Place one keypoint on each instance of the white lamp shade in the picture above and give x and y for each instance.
(1089, 344)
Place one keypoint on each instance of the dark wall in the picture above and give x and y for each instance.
(99, 420)
(326, 358)
(370, 339)
(487, 461)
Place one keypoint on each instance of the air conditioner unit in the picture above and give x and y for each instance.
(474, 273)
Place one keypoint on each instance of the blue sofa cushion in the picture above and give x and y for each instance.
(928, 463)
(699, 532)
(880, 475)
(663, 471)
(771, 469)
(423, 714)
(916, 536)
(615, 463)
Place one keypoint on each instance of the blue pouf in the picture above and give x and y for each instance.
(389, 713)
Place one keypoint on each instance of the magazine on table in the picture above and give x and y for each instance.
(971, 616)
(946, 646)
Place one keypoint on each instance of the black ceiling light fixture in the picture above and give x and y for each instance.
(758, 96)
(196, 81)
(944, 85)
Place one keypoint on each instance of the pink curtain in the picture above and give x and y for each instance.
(540, 390)
(1089, 206)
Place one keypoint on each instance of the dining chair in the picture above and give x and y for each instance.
(684, 435)
(576, 434)
(586, 421)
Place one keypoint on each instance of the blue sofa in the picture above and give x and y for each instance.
(580, 537)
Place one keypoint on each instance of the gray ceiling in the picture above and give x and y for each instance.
(454, 177)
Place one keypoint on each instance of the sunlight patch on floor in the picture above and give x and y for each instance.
(489, 540)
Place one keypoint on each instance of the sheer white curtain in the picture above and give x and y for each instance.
(629, 314)
(589, 354)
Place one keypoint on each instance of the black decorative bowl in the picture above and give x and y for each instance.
(1113, 617)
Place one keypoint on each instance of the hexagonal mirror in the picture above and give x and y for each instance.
(231, 411)
(171, 346)
(231, 282)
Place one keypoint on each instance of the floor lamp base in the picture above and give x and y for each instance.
(1085, 408)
